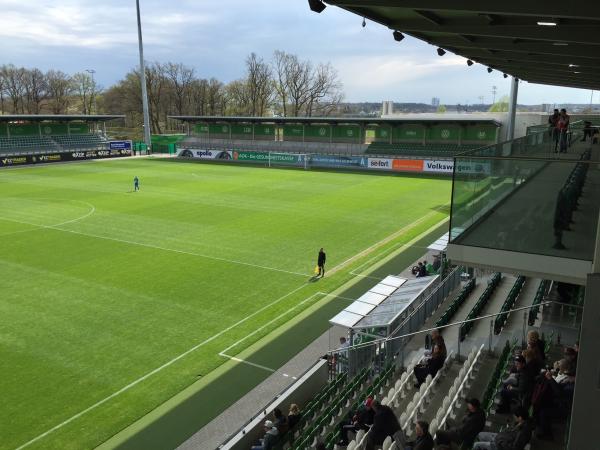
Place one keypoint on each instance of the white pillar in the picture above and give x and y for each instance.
(512, 108)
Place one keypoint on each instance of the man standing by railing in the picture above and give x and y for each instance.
(563, 128)
(553, 122)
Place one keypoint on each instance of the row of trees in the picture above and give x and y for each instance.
(31, 91)
(285, 85)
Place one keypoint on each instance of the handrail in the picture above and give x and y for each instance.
(459, 389)
(429, 330)
(428, 388)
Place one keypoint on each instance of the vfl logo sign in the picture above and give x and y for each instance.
(445, 134)
(78, 155)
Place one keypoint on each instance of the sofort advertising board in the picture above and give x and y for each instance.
(398, 165)
(204, 154)
(16, 160)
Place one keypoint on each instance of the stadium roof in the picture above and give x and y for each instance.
(58, 117)
(547, 42)
(335, 120)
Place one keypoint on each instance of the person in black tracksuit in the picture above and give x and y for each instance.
(321, 262)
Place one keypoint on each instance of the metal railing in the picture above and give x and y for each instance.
(380, 345)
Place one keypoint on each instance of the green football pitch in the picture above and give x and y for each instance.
(114, 301)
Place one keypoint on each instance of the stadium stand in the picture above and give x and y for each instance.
(44, 144)
(37, 134)
(373, 136)
(479, 372)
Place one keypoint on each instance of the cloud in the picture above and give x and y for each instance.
(216, 37)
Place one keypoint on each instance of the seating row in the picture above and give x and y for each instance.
(322, 424)
(478, 307)
(456, 303)
(496, 380)
(539, 297)
(511, 298)
(458, 391)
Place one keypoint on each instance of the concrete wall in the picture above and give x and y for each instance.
(586, 404)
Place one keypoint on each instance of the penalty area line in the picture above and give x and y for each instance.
(155, 371)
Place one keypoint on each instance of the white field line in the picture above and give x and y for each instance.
(384, 241)
(158, 369)
(41, 227)
(234, 358)
(157, 247)
(220, 333)
(275, 319)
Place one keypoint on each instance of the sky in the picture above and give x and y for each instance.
(215, 38)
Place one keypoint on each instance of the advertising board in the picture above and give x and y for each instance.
(11, 161)
(270, 157)
(337, 161)
(204, 154)
(447, 166)
(119, 145)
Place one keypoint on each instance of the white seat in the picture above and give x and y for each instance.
(410, 407)
(359, 436)
(422, 389)
(398, 384)
(391, 393)
(403, 377)
(440, 416)
(416, 397)
(428, 379)
(433, 426)
(384, 401)
(394, 446)
(387, 443)
(403, 417)
(451, 392)
(445, 402)
(351, 445)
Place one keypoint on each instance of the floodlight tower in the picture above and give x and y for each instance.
(92, 72)
(147, 138)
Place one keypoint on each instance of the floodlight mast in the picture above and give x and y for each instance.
(147, 138)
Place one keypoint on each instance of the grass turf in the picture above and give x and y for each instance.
(103, 285)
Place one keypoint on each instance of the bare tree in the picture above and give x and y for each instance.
(198, 97)
(325, 93)
(60, 90)
(260, 85)
(36, 90)
(238, 95)
(156, 84)
(281, 60)
(299, 74)
(86, 89)
(14, 85)
(2, 92)
(215, 97)
(181, 78)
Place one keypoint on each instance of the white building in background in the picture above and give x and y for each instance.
(387, 108)
(435, 101)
